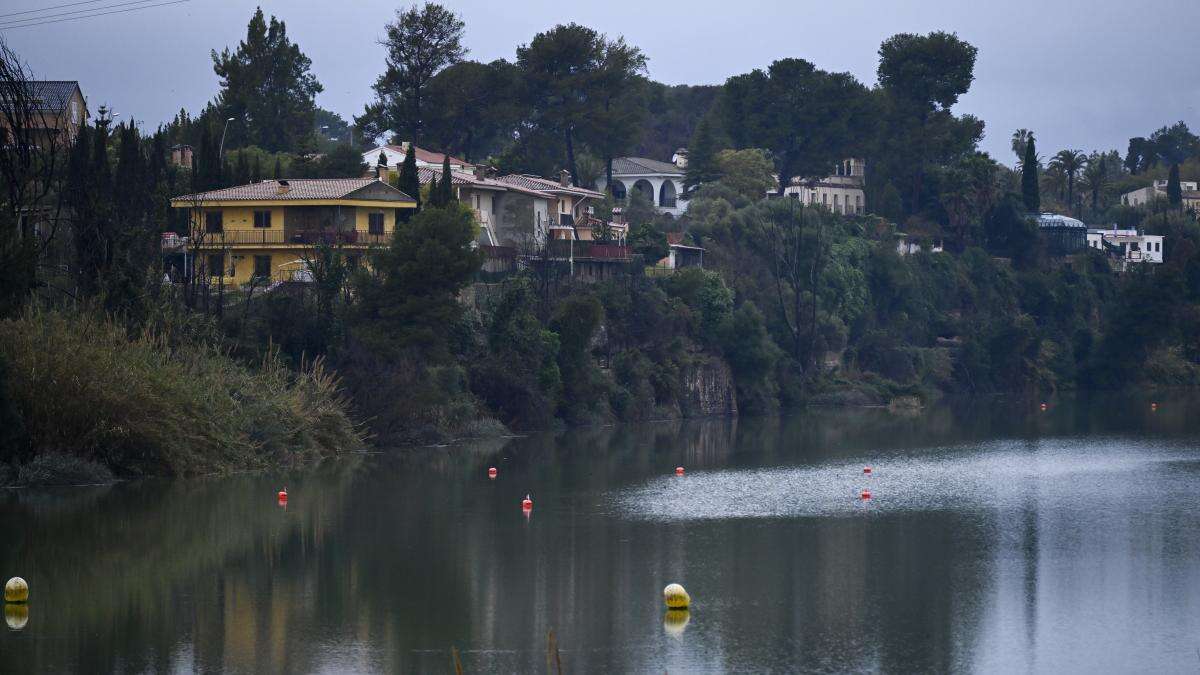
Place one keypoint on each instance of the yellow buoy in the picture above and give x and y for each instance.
(16, 590)
(675, 621)
(16, 616)
(676, 597)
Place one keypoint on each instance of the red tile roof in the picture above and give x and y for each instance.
(298, 189)
(430, 156)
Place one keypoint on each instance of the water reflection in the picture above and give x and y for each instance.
(998, 538)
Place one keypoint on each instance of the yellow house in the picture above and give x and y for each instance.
(267, 231)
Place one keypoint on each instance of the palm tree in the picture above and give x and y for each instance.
(1070, 161)
(1020, 139)
(1095, 177)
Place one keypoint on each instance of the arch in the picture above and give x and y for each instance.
(618, 190)
(644, 186)
(666, 194)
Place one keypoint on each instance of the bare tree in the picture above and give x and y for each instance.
(33, 141)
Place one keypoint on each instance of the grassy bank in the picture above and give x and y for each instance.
(83, 398)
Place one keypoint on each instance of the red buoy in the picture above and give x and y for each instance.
(283, 495)
(492, 472)
(527, 503)
(866, 494)
(1154, 406)
(679, 471)
(1043, 406)
(867, 470)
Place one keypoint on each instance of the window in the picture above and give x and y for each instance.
(216, 264)
(214, 221)
(262, 219)
(858, 203)
(262, 267)
(794, 195)
(375, 223)
(836, 205)
(824, 199)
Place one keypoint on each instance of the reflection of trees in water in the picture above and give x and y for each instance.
(123, 574)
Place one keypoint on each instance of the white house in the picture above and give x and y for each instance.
(841, 192)
(662, 182)
(1127, 246)
(394, 154)
(1156, 191)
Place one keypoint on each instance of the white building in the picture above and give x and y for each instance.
(1147, 195)
(1127, 246)
(662, 182)
(394, 154)
(841, 192)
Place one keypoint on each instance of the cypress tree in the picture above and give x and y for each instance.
(435, 193)
(382, 161)
(242, 174)
(256, 170)
(409, 181)
(278, 168)
(1029, 179)
(1174, 189)
(702, 157)
(447, 187)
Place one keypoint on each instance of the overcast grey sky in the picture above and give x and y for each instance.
(1084, 74)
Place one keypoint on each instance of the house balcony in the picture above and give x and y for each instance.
(289, 238)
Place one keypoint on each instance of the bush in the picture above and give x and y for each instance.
(156, 404)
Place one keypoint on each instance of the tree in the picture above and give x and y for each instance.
(267, 88)
(420, 43)
(702, 164)
(415, 298)
(1070, 161)
(473, 107)
(808, 118)
(574, 78)
(1030, 191)
(446, 188)
(748, 172)
(922, 76)
(1095, 177)
(1020, 139)
(1174, 193)
(341, 162)
(617, 109)
(408, 180)
(1140, 156)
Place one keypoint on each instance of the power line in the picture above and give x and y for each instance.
(77, 11)
(34, 11)
(89, 16)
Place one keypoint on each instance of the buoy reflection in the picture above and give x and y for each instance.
(675, 621)
(16, 616)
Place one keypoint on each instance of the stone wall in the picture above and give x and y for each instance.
(708, 389)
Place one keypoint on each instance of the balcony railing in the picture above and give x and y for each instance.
(296, 237)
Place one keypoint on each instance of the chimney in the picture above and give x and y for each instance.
(282, 188)
(564, 178)
(480, 171)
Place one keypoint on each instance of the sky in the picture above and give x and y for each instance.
(1083, 74)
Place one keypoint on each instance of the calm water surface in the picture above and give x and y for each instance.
(998, 539)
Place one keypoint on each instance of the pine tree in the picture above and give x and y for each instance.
(447, 186)
(1030, 191)
(1174, 190)
(702, 157)
(408, 181)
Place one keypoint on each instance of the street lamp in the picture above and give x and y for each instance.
(221, 151)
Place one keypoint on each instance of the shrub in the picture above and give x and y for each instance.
(158, 404)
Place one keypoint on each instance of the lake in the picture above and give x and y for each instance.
(998, 538)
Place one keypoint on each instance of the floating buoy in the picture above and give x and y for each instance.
(1043, 406)
(492, 472)
(527, 503)
(676, 597)
(867, 470)
(679, 471)
(866, 494)
(16, 591)
(16, 616)
(1154, 406)
(283, 496)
